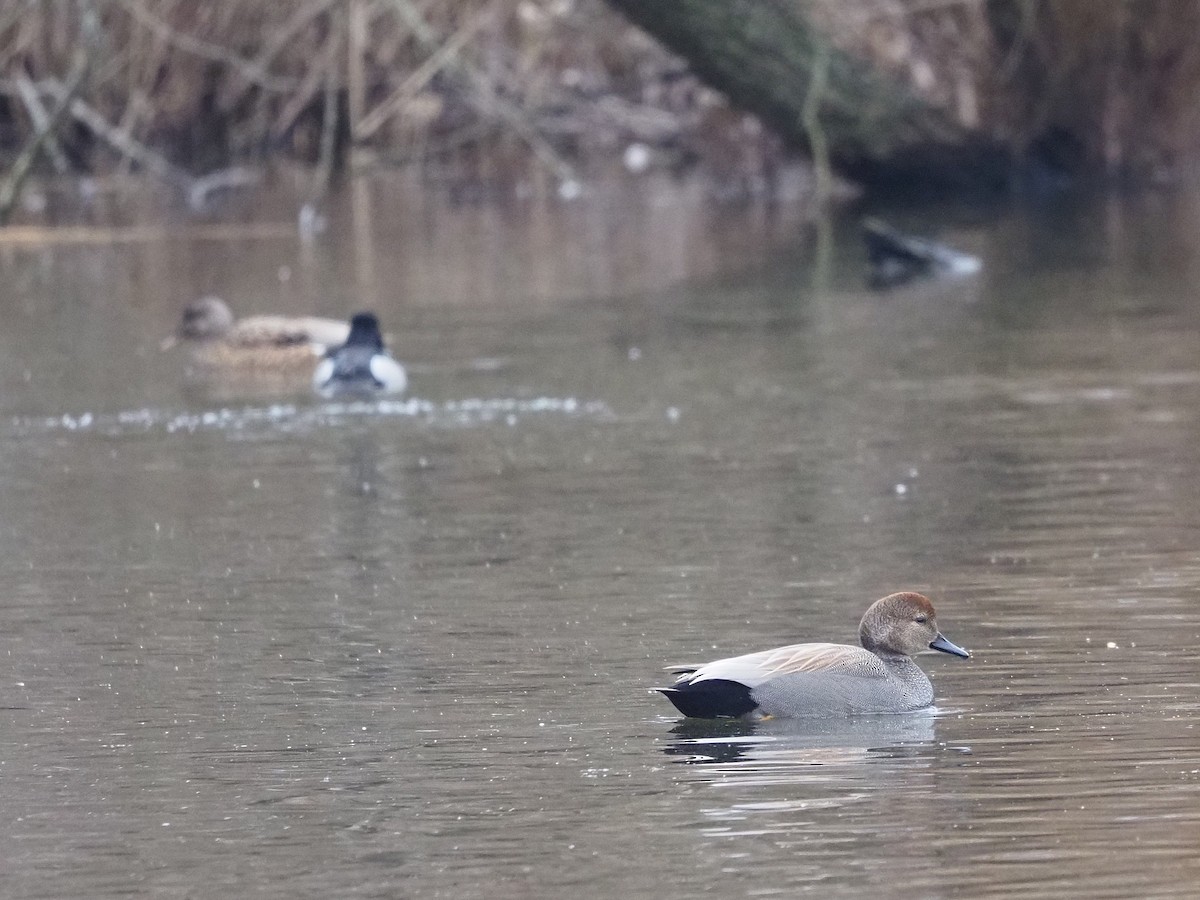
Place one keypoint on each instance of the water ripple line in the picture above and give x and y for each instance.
(466, 412)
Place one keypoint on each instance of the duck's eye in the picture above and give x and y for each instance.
(922, 619)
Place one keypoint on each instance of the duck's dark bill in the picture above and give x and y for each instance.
(940, 643)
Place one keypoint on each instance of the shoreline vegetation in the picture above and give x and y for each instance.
(202, 96)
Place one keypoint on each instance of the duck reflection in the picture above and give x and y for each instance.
(800, 742)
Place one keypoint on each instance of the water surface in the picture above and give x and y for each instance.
(251, 642)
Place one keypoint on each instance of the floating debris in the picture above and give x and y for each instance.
(897, 258)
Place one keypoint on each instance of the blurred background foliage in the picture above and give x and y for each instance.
(185, 87)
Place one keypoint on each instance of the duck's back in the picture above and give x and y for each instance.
(284, 331)
(752, 669)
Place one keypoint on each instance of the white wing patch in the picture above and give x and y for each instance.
(389, 373)
(323, 373)
(755, 668)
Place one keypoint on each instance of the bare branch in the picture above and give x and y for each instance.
(11, 188)
(42, 121)
(307, 90)
(445, 55)
(120, 141)
(329, 117)
(277, 43)
(485, 96)
(10, 17)
(206, 50)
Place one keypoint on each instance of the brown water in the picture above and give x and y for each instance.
(256, 644)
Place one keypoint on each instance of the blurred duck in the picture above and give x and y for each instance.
(823, 679)
(257, 343)
(896, 258)
(361, 365)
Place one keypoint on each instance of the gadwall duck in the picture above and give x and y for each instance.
(823, 679)
(268, 343)
(361, 365)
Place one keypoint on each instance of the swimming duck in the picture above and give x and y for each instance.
(823, 679)
(362, 364)
(268, 343)
(896, 257)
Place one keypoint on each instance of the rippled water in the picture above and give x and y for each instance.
(254, 643)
